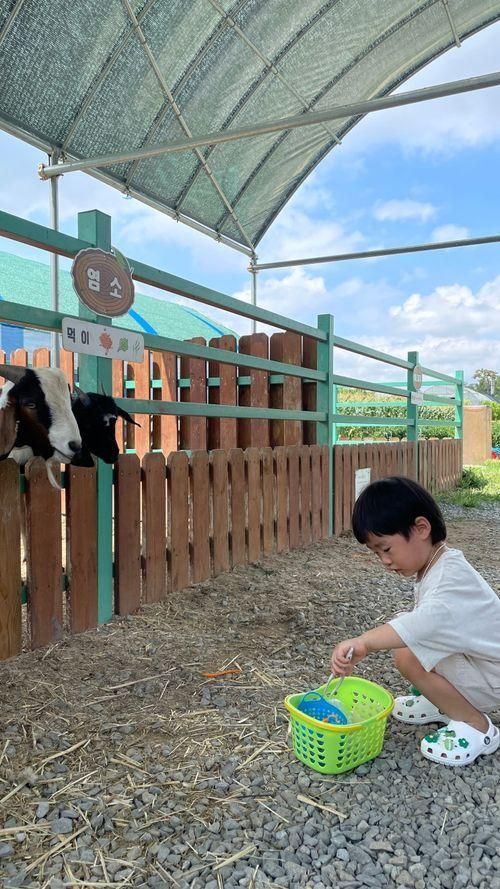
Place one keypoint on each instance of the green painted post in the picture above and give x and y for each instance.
(412, 409)
(325, 402)
(334, 409)
(459, 407)
(95, 227)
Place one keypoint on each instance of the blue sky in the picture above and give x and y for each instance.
(423, 173)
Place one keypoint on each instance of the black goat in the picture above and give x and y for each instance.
(96, 416)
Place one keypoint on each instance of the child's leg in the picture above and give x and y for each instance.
(438, 690)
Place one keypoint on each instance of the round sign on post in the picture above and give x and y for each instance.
(103, 283)
(417, 376)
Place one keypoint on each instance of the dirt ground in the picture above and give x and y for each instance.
(122, 724)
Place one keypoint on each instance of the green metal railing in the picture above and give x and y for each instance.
(94, 230)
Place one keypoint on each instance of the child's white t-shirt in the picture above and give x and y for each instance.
(456, 612)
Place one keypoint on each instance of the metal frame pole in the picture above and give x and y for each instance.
(459, 410)
(95, 227)
(311, 118)
(370, 254)
(54, 259)
(412, 411)
(253, 289)
(325, 433)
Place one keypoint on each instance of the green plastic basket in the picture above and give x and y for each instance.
(332, 749)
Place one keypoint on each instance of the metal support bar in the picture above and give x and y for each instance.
(412, 410)
(459, 410)
(44, 319)
(437, 376)
(351, 383)
(312, 118)
(350, 346)
(452, 23)
(367, 420)
(95, 227)
(54, 259)
(324, 402)
(370, 254)
(202, 409)
(253, 290)
(9, 22)
(65, 245)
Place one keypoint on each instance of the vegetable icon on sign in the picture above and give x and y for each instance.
(105, 341)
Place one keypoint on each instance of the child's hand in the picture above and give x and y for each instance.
(340, 664)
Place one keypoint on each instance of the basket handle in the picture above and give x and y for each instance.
(336, 680)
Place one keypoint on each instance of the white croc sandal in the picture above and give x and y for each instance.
(459, 744)
(414, 709)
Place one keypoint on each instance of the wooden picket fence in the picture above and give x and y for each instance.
(440, 469)
(176, 522)
(168, 377)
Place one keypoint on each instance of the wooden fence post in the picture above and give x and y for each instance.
(154, 544)
(81, 547)
(165, 426)
(193, 430)
(10, 567)
(286, 348)
(222, 431)
(128, 534)
(43, 525)
(178, 520)
(254, 433)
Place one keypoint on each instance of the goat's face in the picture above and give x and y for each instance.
(96, 416)
(36, 416)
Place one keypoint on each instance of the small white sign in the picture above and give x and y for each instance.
(105, 342)
(417, 397)
(362, 479)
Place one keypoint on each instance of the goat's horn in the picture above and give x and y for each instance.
(103, 390)
(12, 372)
(83, 396)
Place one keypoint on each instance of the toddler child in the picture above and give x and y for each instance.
(448, 647)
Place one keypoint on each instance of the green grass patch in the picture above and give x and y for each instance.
(479, 484)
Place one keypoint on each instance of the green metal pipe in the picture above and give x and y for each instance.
(200, 409)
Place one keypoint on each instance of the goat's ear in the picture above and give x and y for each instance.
(126, 416)
(8, 427)
(12, 372)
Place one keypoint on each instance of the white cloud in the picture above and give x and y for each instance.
(442, 354)
(450, 310)
(395, 210)
(450, 232)
(296, 235)
(298, 295)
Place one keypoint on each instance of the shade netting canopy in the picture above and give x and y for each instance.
(95, 78)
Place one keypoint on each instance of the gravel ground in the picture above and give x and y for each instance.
(122, 765)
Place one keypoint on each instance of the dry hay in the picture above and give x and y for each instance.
(120, 734)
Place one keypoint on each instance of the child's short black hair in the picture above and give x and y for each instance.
(391, 506)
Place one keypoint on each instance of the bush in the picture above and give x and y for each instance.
(436, 432)
(472, 480)
(495, 433)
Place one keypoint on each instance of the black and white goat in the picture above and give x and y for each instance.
(36, 417)
(96, 416)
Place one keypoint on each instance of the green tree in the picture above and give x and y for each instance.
(486, 381)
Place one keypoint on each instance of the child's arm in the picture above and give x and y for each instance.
(379, 639)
